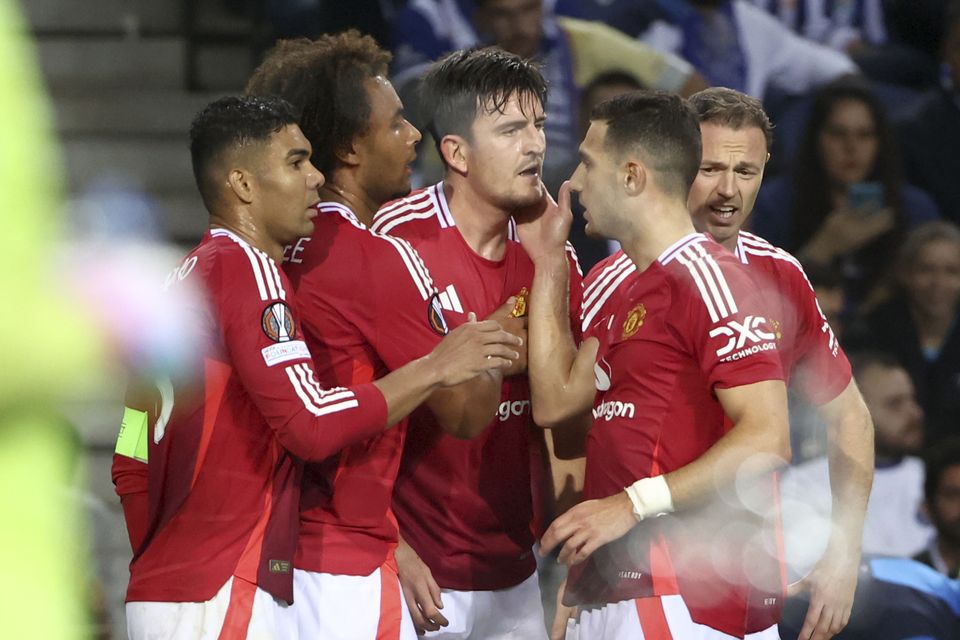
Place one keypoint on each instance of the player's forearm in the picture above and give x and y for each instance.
(407, 388)
(758, 443)
(551, 352)
(131, 480)
(851, 463)
(466, 410)
(335, 419)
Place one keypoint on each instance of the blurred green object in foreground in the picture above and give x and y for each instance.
(45, 341)
(45, 346)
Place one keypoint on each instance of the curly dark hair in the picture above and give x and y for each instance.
(324, 79)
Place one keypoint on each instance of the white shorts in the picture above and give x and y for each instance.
(663, 618)
(239, 611)
(340, 607)
(515, 613)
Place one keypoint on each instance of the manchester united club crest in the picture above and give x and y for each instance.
(277, 322)
(520, 307)
(634, 321)
(774, 326)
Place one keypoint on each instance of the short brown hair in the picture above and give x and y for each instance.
(729, 108)
(662, 127)
(324, 78)
(458, 87)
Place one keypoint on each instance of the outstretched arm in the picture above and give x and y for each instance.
(465, 410)
(833, 580)
(468, 351)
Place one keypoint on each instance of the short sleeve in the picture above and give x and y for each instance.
(408, 320)
(723, 319)
(822, 370)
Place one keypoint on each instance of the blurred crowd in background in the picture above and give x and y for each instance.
(863, 184)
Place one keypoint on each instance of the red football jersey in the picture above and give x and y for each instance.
(466, 506)
(691, 322)
(223, 471)
(613, 273)
(809, 351)
(368, 306)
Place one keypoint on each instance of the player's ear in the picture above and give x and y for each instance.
(241, 184)
(634, 177)
(348, 155)
(455, 152)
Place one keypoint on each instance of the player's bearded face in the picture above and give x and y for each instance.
(726, 186)
(387, 148)
(505, 153)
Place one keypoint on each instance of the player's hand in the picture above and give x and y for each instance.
(588, 526)
(420, 590)
(558, 631)
(543, 230)
(473, 348)
(831, 584)
(506, 317)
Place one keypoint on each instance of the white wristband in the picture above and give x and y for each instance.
(650, 497)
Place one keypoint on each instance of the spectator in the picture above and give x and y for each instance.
(931, 136)
(736, 44)
(942, 503)
(573, 53)
(844, 25)
(895, 524)
(919, 324)
(845, 202)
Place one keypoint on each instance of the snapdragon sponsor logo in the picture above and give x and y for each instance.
(744, 338)
(613, 409)
(512, 409)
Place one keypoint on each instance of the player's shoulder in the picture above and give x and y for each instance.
(697, 268)
(384, 257)
(757, 252)
(614, 263)
(695, 256)
(422, 211)
(235, 267)
(601, 284)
